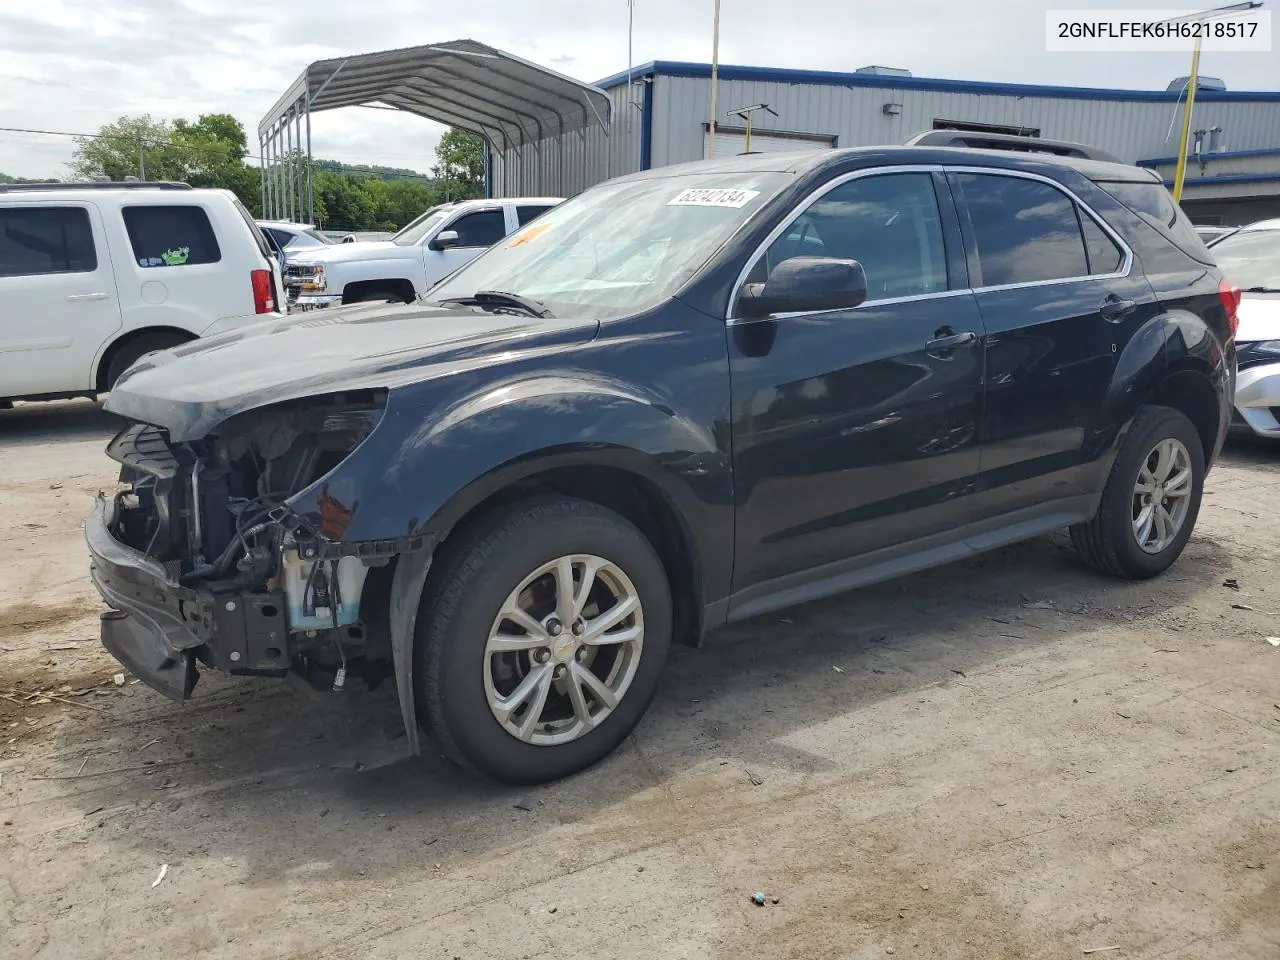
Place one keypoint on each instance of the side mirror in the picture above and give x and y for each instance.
(805, 284)
(444, 240)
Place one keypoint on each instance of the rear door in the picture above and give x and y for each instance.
(856, 431)
(1060, 298)
(58, 299)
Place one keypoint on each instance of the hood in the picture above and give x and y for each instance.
(1259, 317)
(360, 250)
(191, 389)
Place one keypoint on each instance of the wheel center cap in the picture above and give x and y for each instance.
(564, 648)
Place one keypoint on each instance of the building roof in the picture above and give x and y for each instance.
(672, 68)
(462, 83)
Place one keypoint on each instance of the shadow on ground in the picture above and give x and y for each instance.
(264, 773)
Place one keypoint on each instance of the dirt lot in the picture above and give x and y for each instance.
(1007, 758)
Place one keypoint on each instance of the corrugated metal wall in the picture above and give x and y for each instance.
(563, 166)
(1132, 130)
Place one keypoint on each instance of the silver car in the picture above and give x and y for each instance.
(1250, 258)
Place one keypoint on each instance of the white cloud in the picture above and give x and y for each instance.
(74, 65)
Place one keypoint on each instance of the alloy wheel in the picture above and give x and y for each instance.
(1162, 495)
(563, 650)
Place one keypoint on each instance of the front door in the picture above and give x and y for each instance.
(58, 297)
(857, 430)
(477, 232)
(1060, 298)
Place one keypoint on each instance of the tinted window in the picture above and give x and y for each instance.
(1105, 256)
(888, 223)
(482, 229)
(39, 240)
(525, 213)
(171, 236)
(1026, 231)
(1153, 203)
(280, 237)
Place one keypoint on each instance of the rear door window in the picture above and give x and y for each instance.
(171, 236)
(528, 211)
(1025, 231)
(40, 240)
(1105, 256)
(481, 229)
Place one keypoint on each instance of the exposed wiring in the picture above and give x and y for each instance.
(335, 598)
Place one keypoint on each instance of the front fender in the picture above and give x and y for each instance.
(405, 482)
(340, 274)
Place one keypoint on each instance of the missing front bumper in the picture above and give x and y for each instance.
(159, 628)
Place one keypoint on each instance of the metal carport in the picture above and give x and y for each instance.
(510, 102)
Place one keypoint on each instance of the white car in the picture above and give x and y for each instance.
(94, 276)
(1250, 258)
(293, 237)
(414, 260)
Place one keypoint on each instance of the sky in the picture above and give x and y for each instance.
(70, 65)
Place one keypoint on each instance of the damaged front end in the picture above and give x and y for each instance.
(206, 561)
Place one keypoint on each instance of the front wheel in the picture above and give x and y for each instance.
(1151, 500)
(542, 635)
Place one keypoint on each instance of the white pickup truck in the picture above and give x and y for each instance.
(414, 260)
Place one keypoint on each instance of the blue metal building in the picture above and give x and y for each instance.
(659, 116)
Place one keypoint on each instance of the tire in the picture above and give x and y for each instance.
(474, 577)
(134, 350)
(1109, 542)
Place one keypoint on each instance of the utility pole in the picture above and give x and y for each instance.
(1180, 172)
(715, 74)
(142, 161)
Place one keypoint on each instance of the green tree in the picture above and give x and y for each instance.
(460, 165)
(209, 152)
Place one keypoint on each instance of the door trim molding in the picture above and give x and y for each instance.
(913, 556)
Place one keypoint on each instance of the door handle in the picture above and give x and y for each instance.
(950, 341)
(81, 297)
(1115, 308)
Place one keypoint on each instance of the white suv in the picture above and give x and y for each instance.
(414, 260)
(95, 275)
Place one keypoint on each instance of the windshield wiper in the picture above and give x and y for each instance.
(502, 298)
(1261, 290)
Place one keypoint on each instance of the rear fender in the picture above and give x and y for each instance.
(1171, 344)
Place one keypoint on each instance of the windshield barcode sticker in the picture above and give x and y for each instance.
(713, 197)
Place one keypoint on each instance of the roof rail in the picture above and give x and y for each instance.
(95, 185)
(1006, 141)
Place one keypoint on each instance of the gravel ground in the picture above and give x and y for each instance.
(1005, 758)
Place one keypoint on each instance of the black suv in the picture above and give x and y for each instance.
(682, 398)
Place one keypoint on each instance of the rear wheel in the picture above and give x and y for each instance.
(1151, 501)
(541, 639)
(131, 351)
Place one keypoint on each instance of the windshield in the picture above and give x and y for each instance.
(419, 228)
(1250, 259)
(619, 248)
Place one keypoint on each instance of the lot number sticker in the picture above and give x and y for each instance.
(713, 197)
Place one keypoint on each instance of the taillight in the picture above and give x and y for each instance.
(1229, 294)
(264, 298)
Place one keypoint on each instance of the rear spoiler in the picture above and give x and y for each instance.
(1005, 141)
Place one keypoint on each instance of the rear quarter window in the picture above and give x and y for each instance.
(1154, 205)
(171, 236)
